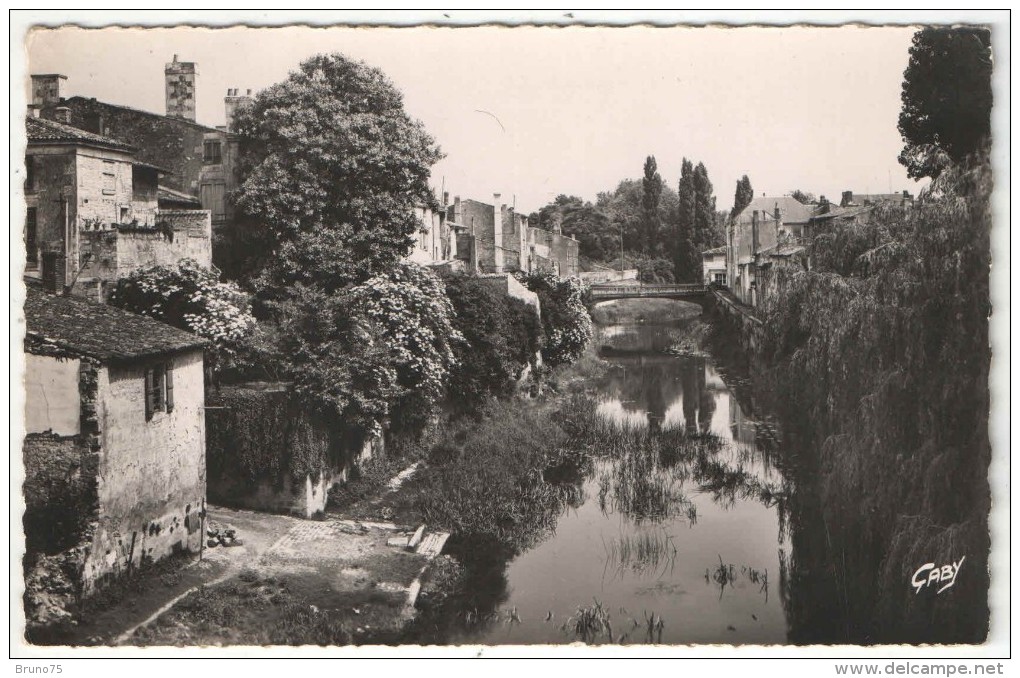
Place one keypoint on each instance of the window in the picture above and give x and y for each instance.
(123, 215)
(159, 389)
(211, 153)
(719, 278)
(30, 173)
(31, 237)
(109, 182)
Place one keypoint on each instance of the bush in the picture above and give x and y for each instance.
(565, 319)
(192, 298)
(500, 337)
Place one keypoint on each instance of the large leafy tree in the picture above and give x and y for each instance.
(331, 167)
(651, 192)
(947, 98)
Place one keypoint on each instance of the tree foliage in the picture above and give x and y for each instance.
(742, 197)
(331, 167)
(883, 347)
(947, 97)
(802, 197)
(500, 337)
(566, 324)
(193, 298)
(651, 192)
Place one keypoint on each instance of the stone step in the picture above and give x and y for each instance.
(433, 543)
(415, 539)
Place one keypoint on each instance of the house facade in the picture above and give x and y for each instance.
(495, 238)
(765, 223)
(200, 161)
(713, 266)
(114, 451)
(93, 211)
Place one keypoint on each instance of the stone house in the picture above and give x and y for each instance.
(201, 160)
(114, 451)
(435, 242)
(495, 238)
(94, 211)
(762, 225)
(713, 266)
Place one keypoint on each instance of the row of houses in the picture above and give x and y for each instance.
(115, 445)
(774, 231)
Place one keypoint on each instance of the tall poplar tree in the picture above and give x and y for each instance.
(684, 266)
(743, 196)
(651, 192)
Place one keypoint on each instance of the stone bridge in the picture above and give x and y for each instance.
(696, 293)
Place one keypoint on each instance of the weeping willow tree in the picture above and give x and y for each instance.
(882, 351)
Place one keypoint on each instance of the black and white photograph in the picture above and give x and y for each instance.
(437, 333)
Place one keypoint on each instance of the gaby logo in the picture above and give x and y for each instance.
(929, 575)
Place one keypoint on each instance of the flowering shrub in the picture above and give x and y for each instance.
(415, 318)
(567, 323)
(192, 298)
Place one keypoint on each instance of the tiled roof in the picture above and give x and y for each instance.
(791, 210)
(716, 250)
(44, 131)
(840, 213)
(92, 102)
(75, 326)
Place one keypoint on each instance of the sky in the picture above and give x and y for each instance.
(532, 112)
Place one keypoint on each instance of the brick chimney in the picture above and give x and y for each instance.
(231, 102)
(180, 89)
(497, 230)
(46, 89)
(62, 114)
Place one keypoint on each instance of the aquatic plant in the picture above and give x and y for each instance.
(589, 623)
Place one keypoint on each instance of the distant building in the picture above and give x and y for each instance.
(495, 238)
(762, 225)
(114, 451)
(903, 199)
(713, 266)
(435, 241)
(94, 211)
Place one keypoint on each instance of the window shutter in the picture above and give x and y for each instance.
(169, 387)
(150, 394)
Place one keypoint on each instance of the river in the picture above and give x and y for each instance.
(670, 550)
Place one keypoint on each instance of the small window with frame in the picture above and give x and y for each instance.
(159, 389)
(211, 153)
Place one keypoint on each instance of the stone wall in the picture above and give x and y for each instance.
(152, 478)
(52, 195)
(52, 402)
(600, 277)
(113, 254)
(740, 317)
(266, 452)
(173, 143)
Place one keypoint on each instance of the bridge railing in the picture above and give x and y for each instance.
(645, 290)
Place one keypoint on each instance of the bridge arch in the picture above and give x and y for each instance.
(698, 294)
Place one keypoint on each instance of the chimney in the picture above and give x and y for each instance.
(458, 216)
(63, 114)
(848, 198)
(823, 205)
(180, 89)
(54, 273)
(33, 111)
(446, 198)
(230, 104)
(497, 230)
(777, 215)
(754, 233)
(46, 89)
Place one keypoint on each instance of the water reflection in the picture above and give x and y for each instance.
(685, 490)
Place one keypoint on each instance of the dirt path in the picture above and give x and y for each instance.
(290, 576)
